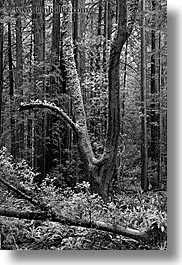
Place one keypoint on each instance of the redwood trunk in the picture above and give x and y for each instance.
(1, 67)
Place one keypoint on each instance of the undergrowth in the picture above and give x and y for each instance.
(140, 211)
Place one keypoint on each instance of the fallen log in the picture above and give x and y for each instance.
(70, 221)
(48, 214)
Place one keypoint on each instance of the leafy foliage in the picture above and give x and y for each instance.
(139, 211)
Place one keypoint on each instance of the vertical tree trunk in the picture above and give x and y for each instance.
(29, 142)
(160, 114)
(75, 28)
(39, 54)
(19, 80)
(144, 147)
(11, 92)
(81, 39)
(1, 65)
(99, 32)
(53, 89)
(124, 87)
(107, 32)
(153, 116)
(82, 59)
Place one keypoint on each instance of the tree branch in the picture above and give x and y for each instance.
(50, 106)
(120, 230)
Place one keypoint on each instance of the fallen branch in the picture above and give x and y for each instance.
(19, 192)
(44, 216)
(49, 214)
(41, 205)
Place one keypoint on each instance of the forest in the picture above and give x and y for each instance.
(83, 124)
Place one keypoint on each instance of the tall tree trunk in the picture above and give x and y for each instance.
(107, 32)
(11, 92)
(99, 32)
(39, 54)
(82, 59)
(159, 180)
(124, 88)
(75, 5)
(54, 90)
(144, 145)
(19, 80)
(1, 65)
(81, 39)
(153, 116)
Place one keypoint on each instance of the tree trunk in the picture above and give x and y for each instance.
(39, 54)
(160, 115)
(144, 147)
(11, 92)
(153, 117)
(1, 66)
(124, 87)
(75, 26)
(52, 90)
(99, 32)
(19, 81)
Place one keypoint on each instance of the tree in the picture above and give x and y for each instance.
(99, 172)
(53, 89)
(11, 92)
(38, 20)
(1, 64)
(154, 117)
(19, 79)
(144, 147)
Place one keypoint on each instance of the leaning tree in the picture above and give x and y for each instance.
(98, 172)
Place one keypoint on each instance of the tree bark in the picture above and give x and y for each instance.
(11, 92)
(99, 32)
(144, 144)
(53, 90)
(160, 113)
(71, 221)
(19, 80)
(154, 150)
(38, 20)
(1, 65)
